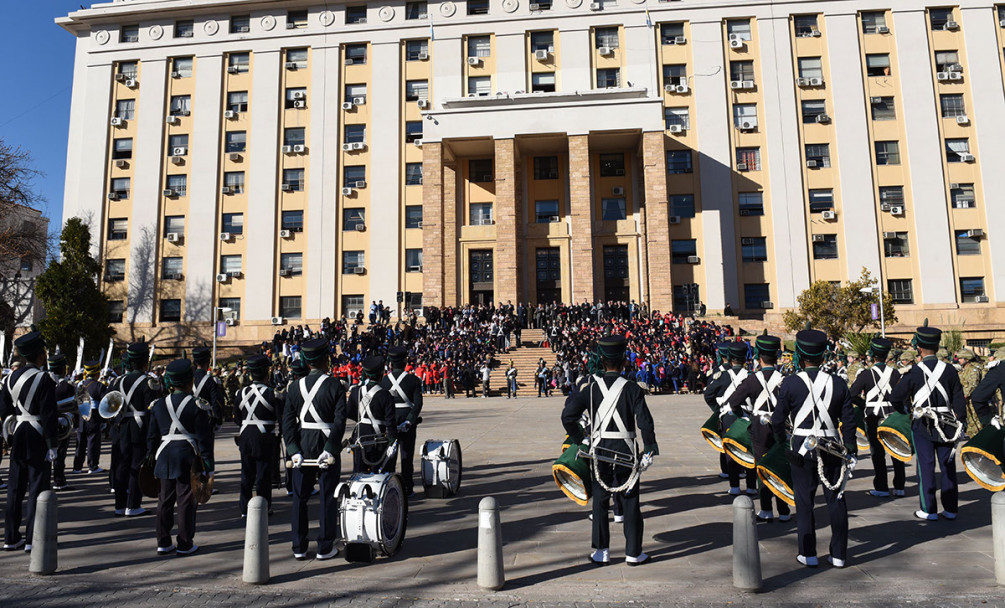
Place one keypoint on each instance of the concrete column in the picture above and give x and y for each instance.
(385, 135)
(452, 216)
(657, 234)
(581, 213)
(432, 224)
(507, 216)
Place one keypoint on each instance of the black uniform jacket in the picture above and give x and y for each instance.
(412, 388)
(131, 431)
(866, 381)
(910, 383)
(717, 387)
(251, 440)
(27, 444)
(983, 396)
(175, 460)
(211, 392)
(382, 409)
(631, 406)
(749, 390)
(791, 396)
(329, 403)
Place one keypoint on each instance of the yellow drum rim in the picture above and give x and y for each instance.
(561, 467)
(736, 444)
(707, 436)
(989, 456)
(892, 431)
(763, 472)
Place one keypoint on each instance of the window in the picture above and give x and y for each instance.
(128, 69)
(896, 245)
(356, 91)
(293, 220)
(184, 29)
(675, 74)
(967, 244)
(669, 32)
(940, 17)
(416, 90)
(125, 108)
(234, 304)
(955, 150)
(872, 21)
(546, 212)
(294, 95)
(542, 82)
(947, 61)
(543, 5)
(351, 260)
(479, 46)
(292, 263)
(122, 149)
(682, 205)
(238, 63)
(877, 64)
(413, 216)
(810, 67)
(805, 25)
(235, 141)
(413, 260)
(952, 106)
(120, 187)
(237, 101)
(480, 170)
(681, 250)
(901, 290)
(481, 214)
(174, 224)
(821, 199)
(115, 269)
(478, 7)
(116, 310)
(883, 108)
(756, 295)
(294, 136)
(612, 165)
(355, 54)
(812, 109)
(686, 298)
(353, 218)
(825, 249)
(609, 78)
(741, 70)
(297, 57)
(181, 105)
(819, 154)
(613, 209)
(416, 50)
(887, 153)
(545, 167)
(354, 134)
(232, 223)
(677, 116)
(738, 28)
(118, 229)
(296, 20)
(606, 37)
(293, 180)
(170, 310)
(754, 248)
(353, 174)
(548, 267)
(181, 67)
(679, 162)
(235, 181)
(962, 196)
(745, 116)
(413, 174)
(178, 141)
(971, 288)
(748, 159)
(479, 86)
(542, 41)
(130, 33)
(355, 14)
(891, 195)
(289, 307)
(230, 264)
(240, 24)
(615, 261)
(352, 305)
(751, 203)
(415, 10)
(177, 184)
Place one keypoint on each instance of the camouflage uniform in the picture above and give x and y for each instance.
(970, 377)
(907, 359)
(853, 370)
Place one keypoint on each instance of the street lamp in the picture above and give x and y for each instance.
(216, 319)
(882, 316)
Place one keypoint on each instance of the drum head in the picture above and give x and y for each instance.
(392, 515)
(455, 465)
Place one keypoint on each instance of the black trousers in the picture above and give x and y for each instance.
(930, 452)
(116, 455)
(88, 445)
(59, 465)
(127, 476)
(406, 450)
(256, 472)
(762, 440)
(29, 478)
(804, 484)
(879, 456)
(176, 491)
(629, 506)
(304, 479)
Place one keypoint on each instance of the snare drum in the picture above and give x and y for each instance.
(775, 472)
(861, 437)
(983, 457)
(710, 432)
(373, 513)
(572, 474)
(896, 436)
(441, 467)
(737, 443)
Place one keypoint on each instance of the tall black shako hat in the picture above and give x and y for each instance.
(57, 361)
(30, 345)
(299, 369)
(767, 345)
(373, 367)
(612, 348)
(178, 373)
(315, 350)
(927, 337)
(811, 343)
(137, 351)
(396, 355)
(880, 348)
(201, 354)
(737, 351)
(256, 364)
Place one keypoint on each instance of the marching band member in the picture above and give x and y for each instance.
(761, 389)
(89, 431)
(877, 382)
(373, 407)
(29, 395)
(617, 408)
(179, 432)
(407, 392)
(816, 402)
(722, 358)
(257, 414)
(132, 432)
(983, 397)
(932, 394)
(64, 390)
(717, 396)
(313, 425)
(205, 387)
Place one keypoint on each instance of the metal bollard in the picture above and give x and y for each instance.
(746, 553)
(43, 543)
(256, 542)
(490, 557)
(998, 534)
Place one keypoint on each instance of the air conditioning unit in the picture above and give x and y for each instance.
(299, 104)
(232, 69)
(299, 149)
(812, 164)
(172, 276)
(277, 320)
(234, 274)
(116, 121)
(417, 142)
(113, 196)
(951, 26)
(474, 61)
(287, 149)
(234, 157)
(767, 304)
(670, 88)
(981, 299)
(816, 82)
(896, 210)
(955, 75)
(605, 51)
(744, 212)
(534, 6)
(736, 43)
(679, 40)
(346, 147)
(286, 187)
(596, 6)
(823, 119)
(173, 237)
(347, 105)
(285, 234)
(741, 166)
(828, 215)
(359, 270)
(121, 164)
(230, 114)
(676, 129)
(735, 84)
(942, 75)
(360, 227)
(693, 259)
(748, 124)
(230, 321)
(169, 193)
(674, 219)
(423, 104)
(747, 84)
(815, 34)
(179, 151)
(131, 83)
(889, 235)
(359, 101)
(298, 95)
(358, 145)
(120, 78)
(966, 157)
(875, 100)
(818, 238)
(541, 54)
(222, 277)
(227, 190)
(291, 65)
(746, 240)
(349, 61)
(225, 236)
(963, 120)
(285, 272)
(172, 120)
(618, 191)
(422, 56)
(682, 88)
(177, 160)
(802, 82)
(347, 191)
(976, 233)
(882, 30)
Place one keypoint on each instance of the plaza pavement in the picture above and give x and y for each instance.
(508, 447)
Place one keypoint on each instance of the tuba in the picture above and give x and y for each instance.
(65, 426)
(111, 404)
(9, 423)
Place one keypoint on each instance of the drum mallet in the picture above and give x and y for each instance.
(310, 462)
(256, 542)
(997, 532)
(490, 556)
(43, 545)
(746, 553)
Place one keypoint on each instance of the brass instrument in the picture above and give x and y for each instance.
(609, 456)
(111, 404)
(65, 426)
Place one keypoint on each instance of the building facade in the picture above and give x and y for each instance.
(296, 160)
(24, 233)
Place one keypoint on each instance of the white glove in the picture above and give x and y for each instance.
(297, 459)
(916, 414)
(996, 422)
(646, 462)
(323, 458)
(50, 455)
(852, 463)
(392, 451)
(404, 426)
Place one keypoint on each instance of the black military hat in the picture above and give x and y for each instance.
(811, 343)
(92, 367)
(738, 350)
(299, 369)
(30, 344)
(178, 372)
(928, 337)
(613, 347)
(397, 354)
(256, 363)
(373, 365)
(722, 349)
(768, 344)
(137, 351)
(201, 354)
(880, 348)
(315, 349)
(57, 360)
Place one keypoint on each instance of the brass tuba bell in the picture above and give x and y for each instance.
(111, 404)
(8, 427)
(65, 426)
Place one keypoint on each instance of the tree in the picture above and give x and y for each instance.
(69, 292)
(19, 240)
(837, 310)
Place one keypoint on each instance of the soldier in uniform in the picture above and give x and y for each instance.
(759, 392)
(816, 403)
(313, 424)
(983, 398)
(257, 416)
(717, 396)
(722, 358)
(132, 431)
(373, 408)
(854, 367)
(64, 390)
(30, 395)
(179, 431)
(205, 387)
(932, 394)
(907, 359)
(407, 392)
(89, 431)
(617, 408)
(876, 383)
(970, 377)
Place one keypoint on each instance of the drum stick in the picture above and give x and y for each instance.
(310, 462)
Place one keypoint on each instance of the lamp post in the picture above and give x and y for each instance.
(882, 316)
(216, 319)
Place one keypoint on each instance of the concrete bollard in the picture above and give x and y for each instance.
(746, 553)
(998, 534)
(490, 557)
(256, 542)
(44, 536)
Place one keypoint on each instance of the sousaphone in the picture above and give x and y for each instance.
(111, 404)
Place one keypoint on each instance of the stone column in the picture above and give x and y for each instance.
(507, 217)
(581, 214)
(452, 216)
(432, 224)
(657, 233)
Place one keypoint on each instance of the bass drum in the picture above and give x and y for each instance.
(572, 474)
(775, 472)
(737, 443)
(896, 436)
(861, 438)
(373, 513)
(710, 432)
(983, 458)
(441, 468)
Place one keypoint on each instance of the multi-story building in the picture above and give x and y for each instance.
(300, 159)
(24, 233)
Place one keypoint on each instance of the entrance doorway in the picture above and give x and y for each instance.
(481, 273)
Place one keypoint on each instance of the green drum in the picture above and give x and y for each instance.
(861, 438)
(710, 432)
(737, 443)
(896, 436)
(572, 474)
(775, 472)
(983, 457)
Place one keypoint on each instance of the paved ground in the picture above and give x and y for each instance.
(509, 446)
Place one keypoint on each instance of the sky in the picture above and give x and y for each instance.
(35, 84)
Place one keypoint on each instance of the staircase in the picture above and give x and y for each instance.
(525, 360)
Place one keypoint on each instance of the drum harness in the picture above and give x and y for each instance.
(23, 416)
(606, 413)
(765, 403)
(316, 424)
(132, 411)
(177, 431)
(875, 399)
(367, 417)
(396, 388)
(938, 414)
(735, 378)
(820, 393)
(254, 391)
